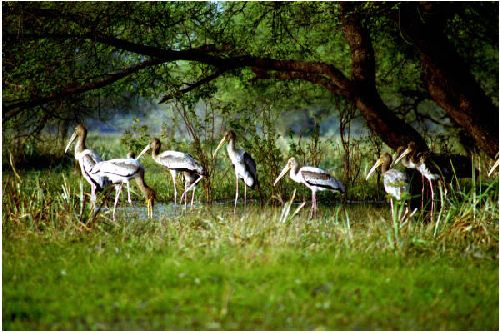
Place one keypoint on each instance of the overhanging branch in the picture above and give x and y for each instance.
(13, 108)
(193, 86)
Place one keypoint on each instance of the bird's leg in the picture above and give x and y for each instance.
(185, 195)
(245, 194)
(422, 196)
(150, 210)
(92, 196)
(313, 205)
(128, 190)
(118, 189)
(193, 185)
(192, 198)
(236, 195)
(173, 174)
(432, 199)
(392, 208)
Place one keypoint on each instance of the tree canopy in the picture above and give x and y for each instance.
(63, 61)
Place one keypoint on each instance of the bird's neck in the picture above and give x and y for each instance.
(80, 144)
(231, 150)
(293, 172)
(155, 152)
(141, 183)
(385, 167)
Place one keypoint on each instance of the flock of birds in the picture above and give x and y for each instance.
(100, 174)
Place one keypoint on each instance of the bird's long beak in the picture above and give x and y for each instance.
(374, 167)
(73, 137)
(219, 146)
(494, 167)
(283, 172)
(144, 151)
(403, 154)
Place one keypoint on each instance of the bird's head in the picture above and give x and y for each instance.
(154, 144)
(384, 161)
(292, 163)
(423, 157)
(80, 131)
(228, 136)
(410, 150)
(131, 155)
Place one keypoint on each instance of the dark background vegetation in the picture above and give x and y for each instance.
(408, 70)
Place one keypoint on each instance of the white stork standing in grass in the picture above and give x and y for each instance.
(120, 171)
(244, 165)
(435, 167)
(414, 160)
(175, 162)
(87, 158)
(315, 179)
(394, 180)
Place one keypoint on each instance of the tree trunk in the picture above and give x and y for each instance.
(447, 78)
(391, 129)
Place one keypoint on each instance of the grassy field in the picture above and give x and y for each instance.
(354, 267)
(351, 268)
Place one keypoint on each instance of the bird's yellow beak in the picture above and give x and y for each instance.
(374, 167)
(73, 137)
(144, 151)
(494, 167)
(403, 154)
(219, 146)
(282, 173)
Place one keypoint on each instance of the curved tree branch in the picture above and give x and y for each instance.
(13, 108)
(192, 86)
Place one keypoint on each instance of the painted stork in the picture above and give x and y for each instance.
(120, 171)
(435, 167)
(87, 158)
(244, 165)
(408, 157)
(314, 178)
(394, 180)
(175, 162)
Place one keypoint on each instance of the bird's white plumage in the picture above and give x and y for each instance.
(318, 179)
(395, 183)
(178, 161)
(424, 170)
(315, 179)
(244, 165)
(120, 168)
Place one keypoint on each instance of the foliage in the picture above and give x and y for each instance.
(136, 138)
(37, 33)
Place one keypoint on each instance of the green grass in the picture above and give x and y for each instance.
(355, 267)
(210, 269)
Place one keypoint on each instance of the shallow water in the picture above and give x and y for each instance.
(138, 211)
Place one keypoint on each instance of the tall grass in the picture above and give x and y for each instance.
(353, 267)
(59, 202)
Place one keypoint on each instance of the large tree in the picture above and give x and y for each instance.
(165, 49)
